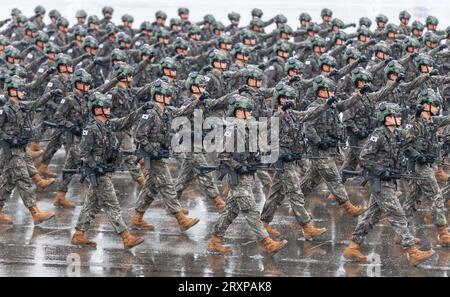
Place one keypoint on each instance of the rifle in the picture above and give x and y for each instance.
(223, 170)
(69, 132)
(87, 172)
(163, 154)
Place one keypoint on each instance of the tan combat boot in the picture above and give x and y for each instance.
(62, 201)
(185, 222)
(130, 241)
(272, 232)
(309, 231)
(137, 221)
(215, 245)
(416, 256)
(220, 205)
(42, 183)
(352, 252)
(80, 239)
(4, 219)
(44, 171)
(140, 181)
(352, 210)
(40, 216)
(441, 175)
(444, 236)
(271, 246)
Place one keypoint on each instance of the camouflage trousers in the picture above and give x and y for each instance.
(73, 161)
(189, 170)
(57, 140)
(286, 184)
(129, 162)
(425, 190)
(101, 197)
(159, 181)
(326, 169)
(352, 159)
(384, 203)
(16, 174)
(241, 200)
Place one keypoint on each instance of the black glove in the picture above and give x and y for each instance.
(148, 105)
(180, 57)
(388, 60)
(386, 175)
(245, 88)
(98, 61)
(307, 48)
(361, 134)
(323, 145)
(51, 70)
(414, 55)
(257, 47)
(242, 169)
(348, 42)
(99, 170)
(362, 59)
(207, 69)
(421, 159)
(400, 77)
(154, 155)
(366, 89)
(419, 109)
(274, 59)
(262, 66)
(287, 105)
(334, 72)
(331, 100)
(57, 93)
(13, 142)
(430, 158)
(434, 72)
(442, 46)
(294, 78)
(287, 158)
(32, 48)
(76, 130)
(203, 96)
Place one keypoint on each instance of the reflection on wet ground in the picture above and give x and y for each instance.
(26, 250)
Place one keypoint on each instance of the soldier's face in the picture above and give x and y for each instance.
(169, 72)
(220, 65)
(393, 76)
(82, 87)
(163, 40)
(282, 100)
(16, 94)
(127, 24)
(81, 21)
(393, 120)
(363, 38)
(91, 51)
(381, 24)
(182, 51)
(430, 44)
(248, 41)
(295, 73)
(339, 41)
(63, 29)
(325, 94)
(405, 22)
(425, 69)
(417, 33)
(304, 23)
(382, 56)
(255, 83)
(176, 28)
(326, 68)
(431, 27)
(94, 26)
(235, 22)
(218, 32)
(184, 16)
(225, 46)
(243, 115)
(39, 44)
(167, 100)
(392, 35)
(242, 57)
(196, 37)
(160, 21)
(80, 38)
(326, 18)
(283, 54)
(107, 15)
(285, 36)
(14, 61)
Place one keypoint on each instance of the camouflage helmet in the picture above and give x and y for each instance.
(30, 26)
(224, 39)
(363, 30)
(418, 26)
(40, 36)
(123, 37)
(351, 52)
(118, 55)
(52, 48)
(39, 10)
(162, 88)
(218, 26)
(209, 18)
(285, 28)
(107, 9)
(431, 37)
(428, 96)
(279, 18)
(423, 59)
(365, 21)
(318, 41)
(410, 42)
(54, 14)
(326, 12)
(127, 18)
(323, 83)
(168, 63)
(123, 70)
(283, 90)
(256, 23)
(234, 16)
(252, 72)
(4, 40)
(183, 10)
(247, 34)
(404, 15)
(326, 59)
(431, 20)
(62, 21)
(163, 33)
(340, 35)
(180, 43)
(392, 28)
(63, 60)
(14, 82)
(98, 100)
(361, 74)
(386, 109)
(383, 47)
(175, 22)
(393, 67)
(15, 12)
(381, 18)
(294, 64)
(239, 102)
(256, 12)
(304, 16)
(18, 70)
(447, 31)
(91, 42)
(282, 46)
(111, 29)
(11, 51)
(81, 76)
(196, 79)
(81, 14)
(194, 30)
(21, 19)
(240, 48)
(146, 26)
(338, 23)
(79, 31)
(93, 19)
(147, 50)
(313, 27)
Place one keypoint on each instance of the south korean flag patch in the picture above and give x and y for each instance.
(408, 126)
(49, 85)
(373, 138)
(145, 116)
(85, 132)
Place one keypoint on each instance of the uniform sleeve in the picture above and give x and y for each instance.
(143, 130)
(61, 113)
(369, 154)
(88, 141)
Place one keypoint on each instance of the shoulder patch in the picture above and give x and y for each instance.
(271, 68)
(45, 29)
(70, 51)
(145, 116)
(227, 133)
(50, 84)
(373, 138)
(1, 111)
(41, 70)
(327, 39)
(63, 100)
(85, 132)
(30, 56)
(109, 96)
(138, 43)
(52, 38)
(80, 64)
(307, 62)
(13, 35)
(101, 46)
(408, 126)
